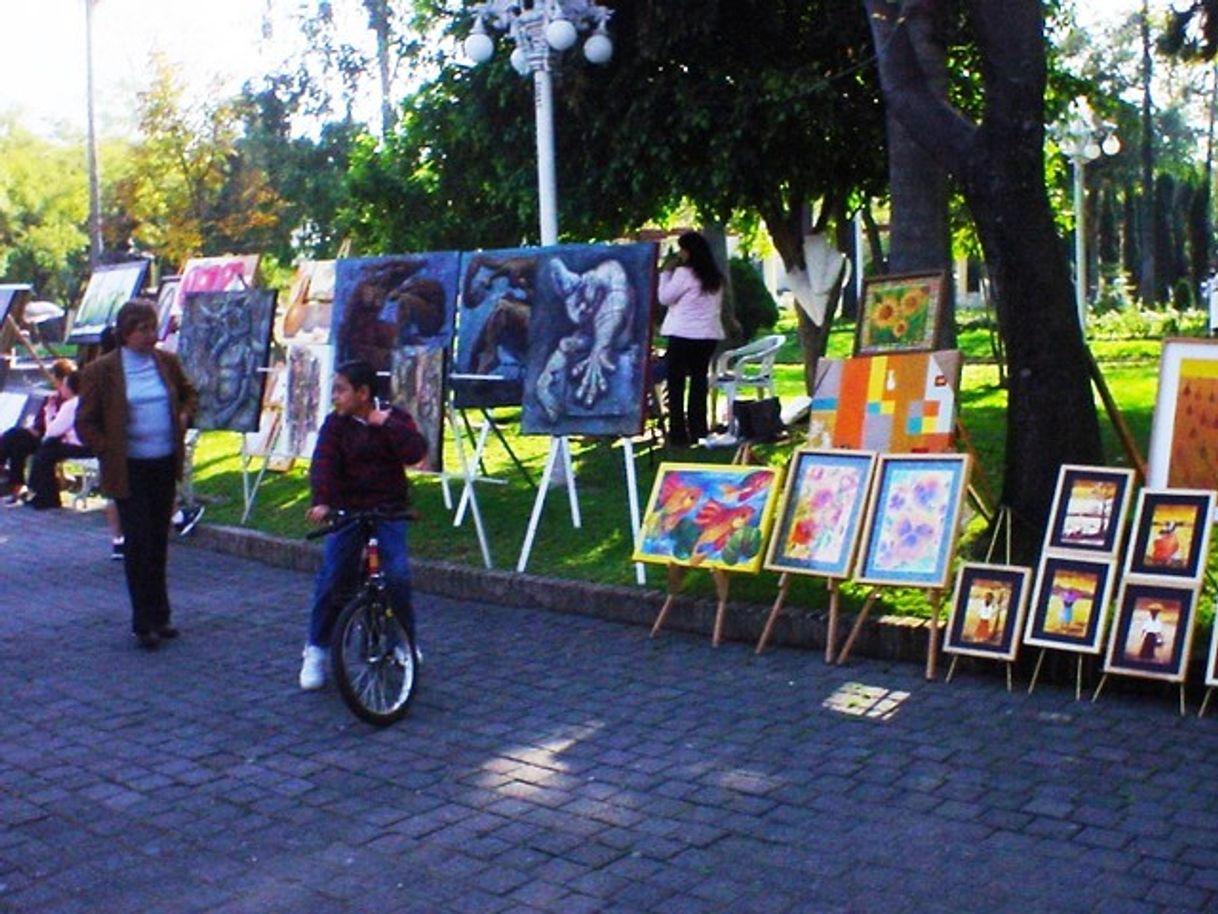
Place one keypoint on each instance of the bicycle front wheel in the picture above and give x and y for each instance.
(375, 663)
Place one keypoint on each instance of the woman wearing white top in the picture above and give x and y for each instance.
(58, 443)
(693, 293)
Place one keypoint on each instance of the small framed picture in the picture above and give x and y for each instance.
(987, 610)
(1153, 631)
(820, 517)
(1171, 534)
(913, 520)
(1070, 603)
(1089, 509)
(1184, 433)
(1211, 664)
(901, 313)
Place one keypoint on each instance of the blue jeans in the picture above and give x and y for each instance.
(340, 568)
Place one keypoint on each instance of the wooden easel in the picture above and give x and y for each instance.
(676, 578)
(1078, 674)
(1116, 418)
(29, 347)
(1183, 708)
(1001, 522)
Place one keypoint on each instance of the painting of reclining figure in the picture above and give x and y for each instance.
(588, 340)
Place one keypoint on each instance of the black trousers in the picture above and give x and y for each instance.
(16, 446)
(145, 517)
(688, 360)
(44, 483)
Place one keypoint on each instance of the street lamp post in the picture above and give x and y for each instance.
(1083, 140)
(95, 235)
(541, 30)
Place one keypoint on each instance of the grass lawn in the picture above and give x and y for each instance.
(599, 551)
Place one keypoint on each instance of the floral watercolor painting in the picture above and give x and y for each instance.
(900, 313)
(708, 516)
(913, 520)
(820, 517)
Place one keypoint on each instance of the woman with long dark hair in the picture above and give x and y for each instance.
(692, 290)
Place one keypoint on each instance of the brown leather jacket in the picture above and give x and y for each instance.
(101, 418)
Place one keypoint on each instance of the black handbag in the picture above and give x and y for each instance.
(759, 420)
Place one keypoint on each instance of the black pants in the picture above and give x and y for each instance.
(687, 360)
(145, 517)
(44, 483)
(16, 446)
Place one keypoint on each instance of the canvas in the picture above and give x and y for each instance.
(166, 299)
(903, 404)
(1153, 631)
(913, 520)
(589, 337)
(12, 406)
(310, 375)
(1171, 534)
(418, 388)
(383, 303)
(305, 318)
(497, 292)
(270, 418)
(109, 288)
(708, 516)
(820, 517)
(229, 273)
(900, 313)
(987, 611)
(1184, 433)
(1070, 603)
(1089, 509)
(223, 344)
(12, 296)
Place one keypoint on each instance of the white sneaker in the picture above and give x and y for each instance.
(313, 669)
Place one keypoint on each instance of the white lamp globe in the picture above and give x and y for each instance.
(1111, 144)
(561, 34)
(520, 61)
(479, 47)
(598, 48)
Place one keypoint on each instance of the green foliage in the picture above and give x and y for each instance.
(755, 306)
(1147, 324)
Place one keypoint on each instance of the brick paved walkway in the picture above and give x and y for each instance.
(554, 763)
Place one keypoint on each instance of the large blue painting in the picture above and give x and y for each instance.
(493, 327)
(588, 340)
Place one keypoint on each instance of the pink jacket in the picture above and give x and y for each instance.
(692, 313)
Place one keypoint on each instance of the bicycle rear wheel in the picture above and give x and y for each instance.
(375, 663)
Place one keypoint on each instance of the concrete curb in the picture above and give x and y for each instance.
(883, 637)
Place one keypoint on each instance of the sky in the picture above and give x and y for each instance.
(216, 43)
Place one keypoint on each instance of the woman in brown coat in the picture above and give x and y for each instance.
(135, 404)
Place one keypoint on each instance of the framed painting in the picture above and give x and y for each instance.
(310, 373)
(913, 520)
(1089, 509)
(226, 273)
(1211, 663)
(1171, 534)
(900, 313)
(987, 610)
(1070, 603)
(1153, 631)
(418, 388)
(708, 516)
(305, 318)
(497, 293)
(902, 403)
(223, 344)
(1184, 432)
(589, 340)
(109, 288)
(11, 296)
(820, 517)
(166, 297)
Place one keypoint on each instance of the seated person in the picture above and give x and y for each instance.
(59, 443)
(17, 444)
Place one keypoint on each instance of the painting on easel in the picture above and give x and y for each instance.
(820, 518)
(305, 318)
(418, 388)
(987, 610)
(108, 289)
(1089, 509)
(1152, 632)
(1171, 534)
(900, 313)
(1070, 603)
(310, 372)
(708, 516)
(1184, 434)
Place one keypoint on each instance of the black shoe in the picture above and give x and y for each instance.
(149, 641)
(118, 550)
(167, 632)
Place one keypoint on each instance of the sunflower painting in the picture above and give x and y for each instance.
(900, 313)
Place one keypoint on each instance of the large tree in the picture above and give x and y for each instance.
(998, 163)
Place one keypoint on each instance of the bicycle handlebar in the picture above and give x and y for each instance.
(340, 520)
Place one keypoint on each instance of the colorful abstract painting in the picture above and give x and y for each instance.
(306, 316)
(900, 313)
(418, 388)
(902, 404)
(384, 303)
(987, 610)
(821, 513)
(229, 273)
(497, 291)
(310, 374)
(109, 288)
(708, 516)
(1070, 603)
(1171, 534)
(223, 344)
(913, 520)
(588, 340)
(1153, 631)
(1184, 433)
(1089, 509)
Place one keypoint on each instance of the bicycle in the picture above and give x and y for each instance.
(374, 660)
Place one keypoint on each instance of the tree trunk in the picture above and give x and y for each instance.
(1148, 284)
(1051, 416)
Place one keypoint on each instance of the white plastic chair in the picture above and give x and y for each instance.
(747, 366)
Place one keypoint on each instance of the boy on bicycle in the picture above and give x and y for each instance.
(358, 465)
